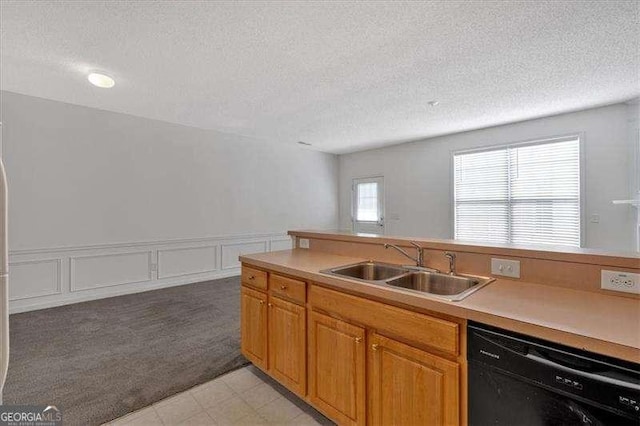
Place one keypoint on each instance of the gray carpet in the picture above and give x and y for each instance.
(102, 359)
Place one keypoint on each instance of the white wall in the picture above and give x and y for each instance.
(418, 175)
(103, 203)
(633, 118)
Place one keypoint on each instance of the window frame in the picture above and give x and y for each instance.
(529, 142)
(379, 178)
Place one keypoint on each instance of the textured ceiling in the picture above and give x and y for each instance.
(343, 76)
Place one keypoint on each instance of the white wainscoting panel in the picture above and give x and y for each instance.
(104, 270)
(230, 252)
(35, 278)
(45, 277)
(276, 245)
(176, 262)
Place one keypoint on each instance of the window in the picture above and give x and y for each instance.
(368, 205)
(521, 194)
(367, 210)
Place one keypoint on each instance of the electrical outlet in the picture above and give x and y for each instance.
(303, 243)
(620, 281)
(505, 268)
(154, 267)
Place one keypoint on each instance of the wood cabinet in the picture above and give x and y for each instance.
(274, 326)
(287, 344)
(358, 361)
(408, 386)
(253, 326)
(337, 368)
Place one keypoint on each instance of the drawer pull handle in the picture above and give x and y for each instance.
(283, 287)
(374, 346)
(358, 339)
(251, 277)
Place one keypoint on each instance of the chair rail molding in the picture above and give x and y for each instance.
(45, 277)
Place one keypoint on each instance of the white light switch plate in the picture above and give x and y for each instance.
(620, 281)
(303, 243)
(505, 268)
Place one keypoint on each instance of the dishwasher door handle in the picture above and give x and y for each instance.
(590, 376)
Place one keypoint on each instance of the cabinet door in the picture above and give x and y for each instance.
(253, 312)
(337, 369)
(408, 386)
(287, 344)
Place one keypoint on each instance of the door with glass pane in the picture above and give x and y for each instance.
(368, 205)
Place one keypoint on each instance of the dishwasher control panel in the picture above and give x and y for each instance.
(569, 382)
(629, 402)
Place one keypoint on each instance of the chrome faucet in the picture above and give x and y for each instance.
(452, 262)
(419, 259)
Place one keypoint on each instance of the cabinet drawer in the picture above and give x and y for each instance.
(254, 277)
(288, 288)
(411, 326)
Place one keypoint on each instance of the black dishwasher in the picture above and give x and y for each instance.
(519, 380)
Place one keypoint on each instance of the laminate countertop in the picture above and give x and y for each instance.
(608, 325)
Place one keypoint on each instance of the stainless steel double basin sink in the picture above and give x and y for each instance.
(422, 280)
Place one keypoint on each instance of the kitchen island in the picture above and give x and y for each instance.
(350, 347)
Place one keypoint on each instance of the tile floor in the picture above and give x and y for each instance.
(243, 397)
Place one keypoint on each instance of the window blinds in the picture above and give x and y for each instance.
(521, 194)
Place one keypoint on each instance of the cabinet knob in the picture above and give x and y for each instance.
(374, 346)
(252, 277)
(270, 305)
(283, 287)
(262, 302)
(358, 339)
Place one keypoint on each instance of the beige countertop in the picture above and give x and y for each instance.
(609, 325)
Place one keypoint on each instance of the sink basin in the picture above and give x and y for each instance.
(450, 287)
(368, 271)
(422, 280)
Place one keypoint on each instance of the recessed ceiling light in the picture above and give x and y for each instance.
(304, 143)
(101, 80)
(433, 103)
